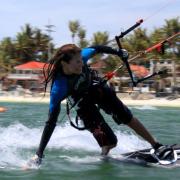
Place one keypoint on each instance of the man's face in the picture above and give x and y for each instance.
(74, 66)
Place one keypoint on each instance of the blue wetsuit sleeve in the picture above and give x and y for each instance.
(58, 93)
(87, 53)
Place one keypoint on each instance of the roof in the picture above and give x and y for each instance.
(32, 65)
(139, 71)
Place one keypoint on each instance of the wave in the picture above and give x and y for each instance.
(18, 142)
(145, 107)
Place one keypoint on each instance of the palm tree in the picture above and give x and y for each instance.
(82, 41)
(7, 54)
(100, 38)
(171, 27)
(139, 40)
(24, 44)
(41, 42)
(73, 27)
(32, 44)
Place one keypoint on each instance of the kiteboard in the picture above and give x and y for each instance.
(167, 157)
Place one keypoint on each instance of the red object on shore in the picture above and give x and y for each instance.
(139, 71)
(3, 109)
(30, 66)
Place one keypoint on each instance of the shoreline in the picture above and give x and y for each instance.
(153, 102)
(23, 99)
(129, 102)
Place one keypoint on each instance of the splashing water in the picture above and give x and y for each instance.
(18, 142)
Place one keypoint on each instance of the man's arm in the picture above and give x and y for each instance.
(58, 93)
(48, 130)
(105, 49)
(89, 52)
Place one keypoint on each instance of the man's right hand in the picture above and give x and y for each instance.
(35, 161)
(123, 53)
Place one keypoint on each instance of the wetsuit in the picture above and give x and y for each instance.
(90, 96)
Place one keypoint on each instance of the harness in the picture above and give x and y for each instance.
(76, 126)
(93, 78)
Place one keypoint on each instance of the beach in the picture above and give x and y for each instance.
(164, 102)
(153, 102)
(23, 99)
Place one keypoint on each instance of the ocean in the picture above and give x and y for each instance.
(73, 154)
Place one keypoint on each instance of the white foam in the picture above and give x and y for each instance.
(128, 142)
(145, 107)
(70, 138)
(17, 137)
(86, 159)
(13, 140)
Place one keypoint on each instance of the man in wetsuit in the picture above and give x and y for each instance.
(71, 77)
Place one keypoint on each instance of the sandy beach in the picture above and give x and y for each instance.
(23, 99)
(149, 102)
(153, 102)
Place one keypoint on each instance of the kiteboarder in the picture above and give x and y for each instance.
(72, 78)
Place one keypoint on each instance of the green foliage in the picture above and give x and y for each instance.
(7, 50)
(100, 38)
(111, 62)
(139, 40)
(7, 55)
(74, 27)
(31, 44)
(82, 35)
(171, 27)
(172, 48)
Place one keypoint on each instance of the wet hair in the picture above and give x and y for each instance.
(53, 67)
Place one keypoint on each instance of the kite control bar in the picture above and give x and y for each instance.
(159, 45)
(125, 60)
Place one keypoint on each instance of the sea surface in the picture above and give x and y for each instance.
(73, 154)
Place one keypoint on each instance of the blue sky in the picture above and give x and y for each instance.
(112, 16)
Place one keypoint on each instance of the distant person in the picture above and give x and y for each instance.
(72, 78)
(3, 109)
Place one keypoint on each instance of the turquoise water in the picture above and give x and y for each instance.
(73, 154)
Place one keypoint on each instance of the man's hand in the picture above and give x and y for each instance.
(123, 53)
(35, 161)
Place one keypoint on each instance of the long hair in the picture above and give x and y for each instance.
(54, 66)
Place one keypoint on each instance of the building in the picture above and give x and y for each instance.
(171, 82)
(161, 85)
(28, 76)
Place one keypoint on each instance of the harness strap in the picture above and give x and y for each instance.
(71, 123)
